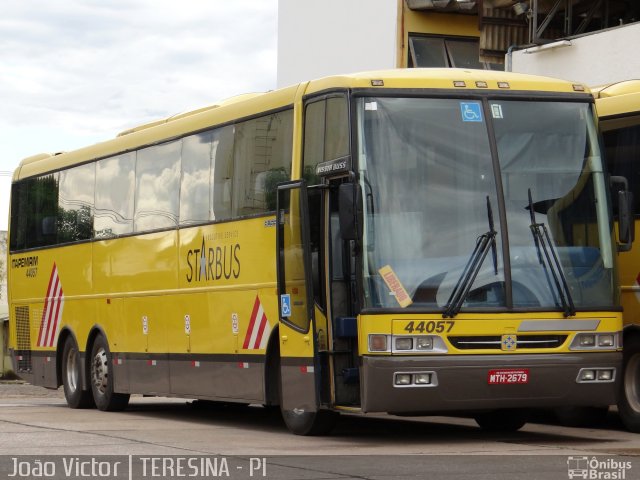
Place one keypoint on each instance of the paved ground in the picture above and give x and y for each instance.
(36, 421)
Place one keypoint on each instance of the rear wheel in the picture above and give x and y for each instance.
(102, 378)
(72, 377)
(502, 420)
(629, 400)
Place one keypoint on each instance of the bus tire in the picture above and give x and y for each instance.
(316, 423)
(581, 416)
(629, 398)
(72, 377)
(101, 378)
(507, 420)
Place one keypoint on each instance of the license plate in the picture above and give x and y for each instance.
(508, 376)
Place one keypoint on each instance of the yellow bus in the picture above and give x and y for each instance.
(618, 107)
(410, 241)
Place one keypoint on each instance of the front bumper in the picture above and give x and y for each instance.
(463, 386)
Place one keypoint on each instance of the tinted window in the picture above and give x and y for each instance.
(262, 159)
(326, 134)
(115, 182)
(623, 153)
(157, 184)
(195, 190)
(313, 140)
(222, 153)
(34, 211)
(75, 203)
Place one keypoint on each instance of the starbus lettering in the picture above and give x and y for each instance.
(213, 263)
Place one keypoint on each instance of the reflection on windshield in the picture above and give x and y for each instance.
(427, 175)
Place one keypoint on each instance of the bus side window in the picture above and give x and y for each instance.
(261, 159)
(326, 133)
(195, 189)
(157, 185)
(75, 204)
(115, 186)
(623, 155)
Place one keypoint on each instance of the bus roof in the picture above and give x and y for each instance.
(444, 78)
(618, 99)
(246, 105)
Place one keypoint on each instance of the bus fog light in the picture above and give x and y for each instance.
(424, 343)
(404, 343)
(606, 340)
(605, 375)
(588, 340)
(422, 378)
(378, 343)
(403, 379)
(588, 375)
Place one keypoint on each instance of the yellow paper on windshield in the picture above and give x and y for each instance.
(394, 284)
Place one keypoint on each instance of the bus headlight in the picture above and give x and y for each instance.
(587, 340)
(596, 375)
(404, 343)
(596, 341)
(378, 343)
(422, 378)
(424, 343)
(606, 340)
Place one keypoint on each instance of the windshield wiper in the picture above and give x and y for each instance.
(550, 262)
(483, 244)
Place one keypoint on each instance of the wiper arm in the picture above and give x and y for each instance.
(548, 257)
(461, 290)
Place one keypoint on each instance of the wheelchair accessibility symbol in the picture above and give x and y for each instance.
(285, 305)
(471, 111)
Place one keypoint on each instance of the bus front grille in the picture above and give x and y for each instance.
(494, 342)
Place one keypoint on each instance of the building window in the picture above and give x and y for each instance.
(446, 52)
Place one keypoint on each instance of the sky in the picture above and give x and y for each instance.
(76, 72)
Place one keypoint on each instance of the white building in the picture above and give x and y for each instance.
(598, 58)
(588, 41)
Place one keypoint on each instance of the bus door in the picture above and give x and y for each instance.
(300, 371)
(316, 285)
(341, 287)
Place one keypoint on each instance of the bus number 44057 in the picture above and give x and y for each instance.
(440, 326)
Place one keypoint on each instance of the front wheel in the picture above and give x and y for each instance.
(629, 400)
(502, 420)
(72, 377)
(320, 422)
(102, 378)
(581, 416)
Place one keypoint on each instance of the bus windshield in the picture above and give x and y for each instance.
(446, 220)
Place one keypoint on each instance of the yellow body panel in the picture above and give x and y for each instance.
(618, 106)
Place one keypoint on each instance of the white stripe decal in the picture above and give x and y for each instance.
(52, 314)
(259, 329)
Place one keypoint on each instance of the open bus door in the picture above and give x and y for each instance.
(300, 367)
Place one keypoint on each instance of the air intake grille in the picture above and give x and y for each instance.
(493, 342)
(23, 334)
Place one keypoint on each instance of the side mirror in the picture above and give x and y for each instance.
(626, 227)
(349, 210)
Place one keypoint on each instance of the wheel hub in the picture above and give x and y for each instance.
(100, 371)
